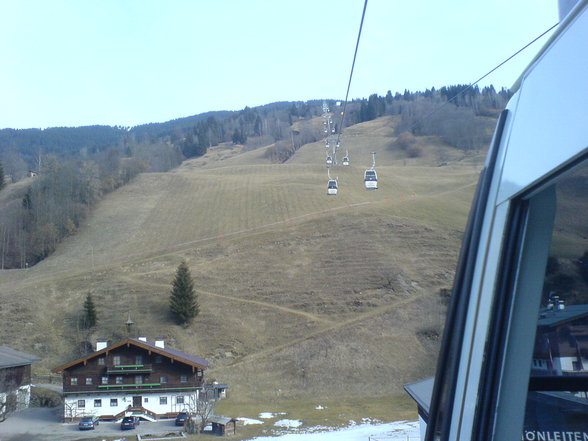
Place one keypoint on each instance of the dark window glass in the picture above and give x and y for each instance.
(557, 402)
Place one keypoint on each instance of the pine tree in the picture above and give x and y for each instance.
(2, 179)
(90, 318)
(183, 302)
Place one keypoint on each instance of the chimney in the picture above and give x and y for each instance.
(101, 343)
(143, 339)
(160, 342)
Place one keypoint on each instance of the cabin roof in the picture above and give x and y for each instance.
(11, 357)
(421, 392)
(555, 317)
(174, 354)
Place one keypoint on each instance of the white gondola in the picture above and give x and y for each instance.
(370, 179)
(345, 160)
(332, 187)
(329, 160)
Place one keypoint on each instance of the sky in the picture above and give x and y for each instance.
(131, 62)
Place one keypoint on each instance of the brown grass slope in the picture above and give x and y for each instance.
(301, 293)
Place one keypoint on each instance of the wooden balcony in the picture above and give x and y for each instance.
(129, 369)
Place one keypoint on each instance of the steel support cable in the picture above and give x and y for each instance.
(351, 73)
(465, 89)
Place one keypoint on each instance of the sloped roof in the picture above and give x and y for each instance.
(421, 392)
(559, 316)
(11, 357)
(174, 354)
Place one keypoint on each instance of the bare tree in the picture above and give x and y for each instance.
(200, 409)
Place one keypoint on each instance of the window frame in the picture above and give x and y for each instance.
(506, 375)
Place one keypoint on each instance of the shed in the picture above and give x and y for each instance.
(220, 424)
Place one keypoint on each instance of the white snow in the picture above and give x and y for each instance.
(397, 431)
(319, 407)
(247, 421)
(267, 415)
(288, 423)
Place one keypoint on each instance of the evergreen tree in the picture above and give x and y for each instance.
(183, 302)
(2, 179)
(90, 318)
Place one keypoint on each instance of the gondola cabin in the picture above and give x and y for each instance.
(345, 160)
(329, 160)
(332, 187)
(513, 363)
(370, 179)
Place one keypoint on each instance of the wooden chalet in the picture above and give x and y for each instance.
(133, 376)
(15, 380)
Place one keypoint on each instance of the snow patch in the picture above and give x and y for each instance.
(268, 415)
(396, 431)
(319, 407)
(247, 421)
(288, 423)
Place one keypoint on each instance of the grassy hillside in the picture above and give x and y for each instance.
(302, 294)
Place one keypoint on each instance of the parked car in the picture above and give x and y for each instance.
(181, 418)
(129, 422)
(88, 423)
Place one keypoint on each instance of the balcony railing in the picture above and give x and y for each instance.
(129, 369)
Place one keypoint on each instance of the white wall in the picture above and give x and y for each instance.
(151, 401)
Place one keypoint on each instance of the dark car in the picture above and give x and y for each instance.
(88, 423)
(129, 422)
(181, 418)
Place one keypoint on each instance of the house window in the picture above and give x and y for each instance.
(163, 379)
(180, 399)
(116, 360)
(163, 400)
(139, 359)
(158, 359)
(113, 402)
(89, 380)
(73, 381)
(183, 378)
(97, 403)
(81, 404)
(101, 361)
(138, 379)
(119, 380)
(104, 380)
(145, 400)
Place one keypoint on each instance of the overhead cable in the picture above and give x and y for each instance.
(351, 73)
(428, 115)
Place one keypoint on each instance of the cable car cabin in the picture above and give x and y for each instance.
(513, 363)
(370, 179)
(332, 187)
(345, 160)
(329, 160)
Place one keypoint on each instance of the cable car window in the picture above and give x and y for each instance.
(557, 401)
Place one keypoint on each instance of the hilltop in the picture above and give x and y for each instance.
(301, 294)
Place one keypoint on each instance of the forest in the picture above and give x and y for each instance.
(59, 174)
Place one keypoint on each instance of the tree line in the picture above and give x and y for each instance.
(77, 166)
(38, 216)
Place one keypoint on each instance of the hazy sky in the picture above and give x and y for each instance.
(130, 62)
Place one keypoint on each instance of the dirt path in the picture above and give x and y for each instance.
(366, 315)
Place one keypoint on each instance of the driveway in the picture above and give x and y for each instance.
(43, 424)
